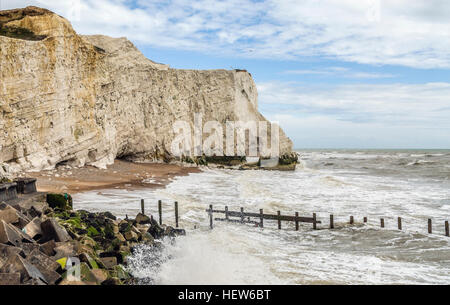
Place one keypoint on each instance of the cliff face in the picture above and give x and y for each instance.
(90, 99)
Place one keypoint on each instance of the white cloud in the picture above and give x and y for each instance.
(394, 115)
(340, 72)
(322, 131)
(419, 105)
(401, 32)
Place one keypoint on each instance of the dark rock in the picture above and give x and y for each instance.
(28, 248)
(17, 264)
(23, 221)
(120, 238)
(155, 230)
(34, 282)
(35, 212)
(37, 255)
(147, 238)
(100, 264)
(86, 258)
(109, 262)
(9, 279)
(100, 275)
(82, 212)
(109, 231)
(48, 248)
(99, 221)
(52, 230)
(66, 249)
(33, 228)
(87, 241)
(9, 214)
(288, 159)
(7, 251)
(113, 281)
(81, 231)
(225, 160)
(31, 207)
(179, 232)
(116, 254)
(172, 232)
(8, 235)
(124, 226)
(115, 245)
(60, 201)
(72, 233)
(13, 215)
(131, 236)
(23, 235)
(142, 219)
(45, 265)
(86, 275)
(169, 231)
(118, 272)
(108, 215)
(48, 211)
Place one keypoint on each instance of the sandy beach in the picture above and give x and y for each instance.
(120, 175)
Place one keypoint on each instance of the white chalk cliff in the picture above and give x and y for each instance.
(90, 99)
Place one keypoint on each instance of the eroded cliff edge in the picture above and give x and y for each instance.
(86, 100)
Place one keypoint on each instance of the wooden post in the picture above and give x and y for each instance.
(160, 211)
(176, 214)
(382, 222)
(430, 229)
(261, 218)
(242, 215)
(226, 213)
(351, 220)
(279, 220)
(314, 223)
(331, 222)
(446, 229)
(296, 221)
(399, 223)
(211, 216)
(365, 219)
(142, 207)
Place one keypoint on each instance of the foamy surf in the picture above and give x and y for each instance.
(376, 186)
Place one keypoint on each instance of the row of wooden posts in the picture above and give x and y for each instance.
(297, 219)
(399, 224)
(160, 211)
(242, 215)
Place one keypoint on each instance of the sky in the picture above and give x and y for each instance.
(333, 73)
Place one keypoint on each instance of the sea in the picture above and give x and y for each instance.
(411, 184)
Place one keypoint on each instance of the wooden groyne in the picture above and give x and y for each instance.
(278, 217)
(258, 219)
(160, 210)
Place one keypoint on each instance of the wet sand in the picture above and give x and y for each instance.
(120, 175)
